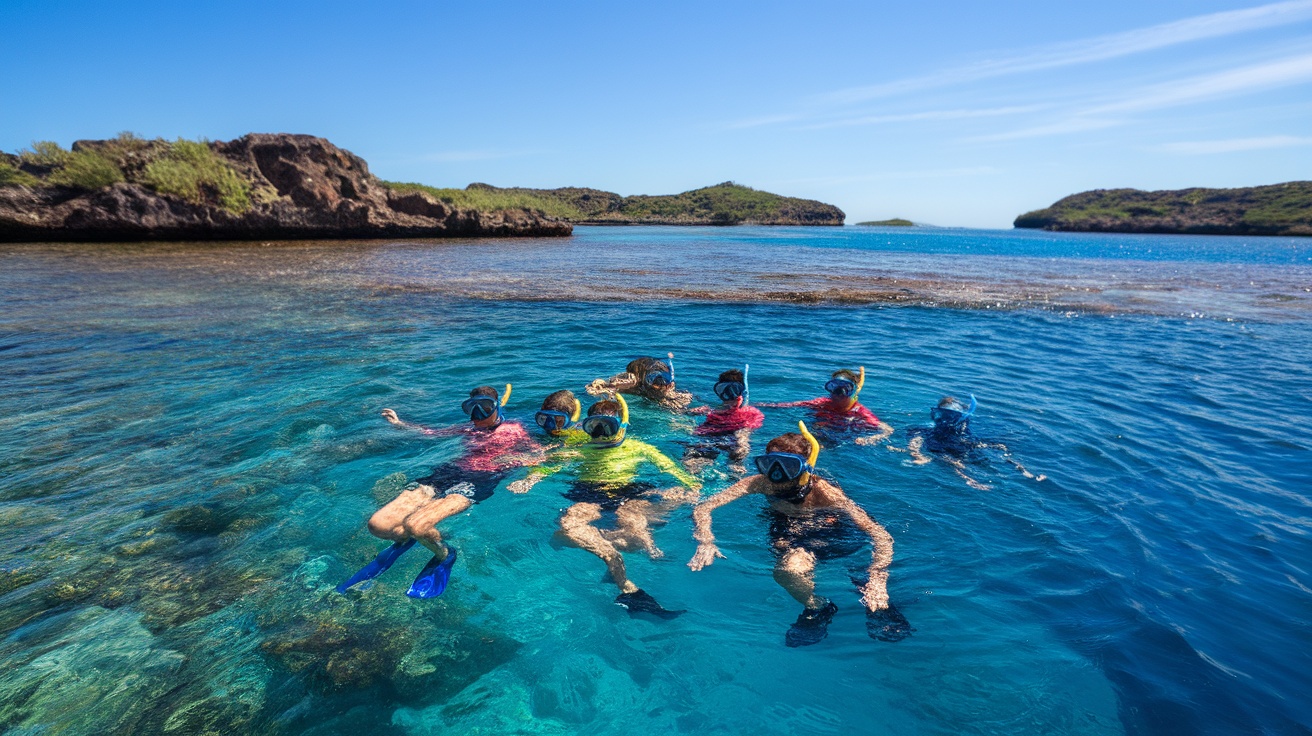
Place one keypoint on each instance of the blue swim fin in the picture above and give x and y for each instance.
(380, 564)
(433, 578)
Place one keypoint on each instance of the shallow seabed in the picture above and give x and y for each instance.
(190, 443)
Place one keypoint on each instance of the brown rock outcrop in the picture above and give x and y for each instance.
(302, 187)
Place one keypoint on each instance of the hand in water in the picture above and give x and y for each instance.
(523, 485)
(391, 416)
(706, 554)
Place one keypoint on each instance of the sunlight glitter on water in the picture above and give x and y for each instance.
(190, 446)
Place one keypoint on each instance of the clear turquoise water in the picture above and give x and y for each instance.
(189, 444)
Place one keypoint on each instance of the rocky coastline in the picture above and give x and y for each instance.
(263, 187)
(1277, 209)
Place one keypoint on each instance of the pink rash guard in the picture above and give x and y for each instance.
(488, 451)
(722, 421)
(827, 410)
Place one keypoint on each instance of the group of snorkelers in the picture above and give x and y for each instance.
(613, 512)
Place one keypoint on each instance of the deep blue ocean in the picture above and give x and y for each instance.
(190, 443)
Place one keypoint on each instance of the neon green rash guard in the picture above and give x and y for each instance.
(619, 466)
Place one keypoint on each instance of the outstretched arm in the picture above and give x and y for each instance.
(669, 467)
(564, 457)
(881, 433)
(874, 595)
(784, 404)
(701, 517)
(623, 382)
(396, 421)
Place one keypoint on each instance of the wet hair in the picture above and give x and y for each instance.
(950, 402)
(732, 375)
(642, 366)
(791, 442)
(483, 391)
(848, 374)
(562, 401)
(605, 408)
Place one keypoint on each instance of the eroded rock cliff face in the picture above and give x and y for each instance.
(292, 187)
(1277, 209)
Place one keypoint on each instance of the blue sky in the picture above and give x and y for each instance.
(946, 112)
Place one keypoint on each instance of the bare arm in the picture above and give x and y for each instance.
(623, 382)
(701, 517)
(881, 433)
(396, 421)
(914, 447)
(875, 593)
(783, 404)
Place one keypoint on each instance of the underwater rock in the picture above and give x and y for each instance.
(87, 671)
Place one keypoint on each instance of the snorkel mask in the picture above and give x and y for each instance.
(946, 418)
(781, 467)
(557, 422)
(845, 389)
(608, 431)
(730, 390)
(661, 379)
(480, 408)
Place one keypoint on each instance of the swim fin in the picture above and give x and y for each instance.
(380, 564)
(640, 601)
(887, 624)
(811, 626)
(433, 578)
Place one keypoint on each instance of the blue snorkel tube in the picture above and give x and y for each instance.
(747, 389)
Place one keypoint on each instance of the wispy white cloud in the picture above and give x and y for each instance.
(929, 115)
(1083, 51)
(1282, 73)
(1285, 72)
(1231, 145)
(1099, 48)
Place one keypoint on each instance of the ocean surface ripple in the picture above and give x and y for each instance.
(190, 443)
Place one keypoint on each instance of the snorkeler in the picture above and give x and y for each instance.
(649, 378)
(949, 438)
(841, 410)
(559, 418)
(494, 446)
(605, 482)
(728, 428)
(812, 519)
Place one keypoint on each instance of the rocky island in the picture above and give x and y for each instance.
(1278, 209)
(895, 222)
(259, 186)
(278, 186)
(723, 204)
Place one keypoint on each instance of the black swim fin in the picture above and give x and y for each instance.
(639, 601)
(888, 624)
(811, 626)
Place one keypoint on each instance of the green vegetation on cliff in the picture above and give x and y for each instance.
(895, 222)
(1278, 209)
(722, 204)
(188, 169)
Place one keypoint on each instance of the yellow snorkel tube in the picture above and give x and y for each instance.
(811, 458)
(505, 396)
(578, 409)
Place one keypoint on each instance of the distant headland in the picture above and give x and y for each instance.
(895, 222)
(722, 204)
(276, 186)
(1278, 209)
